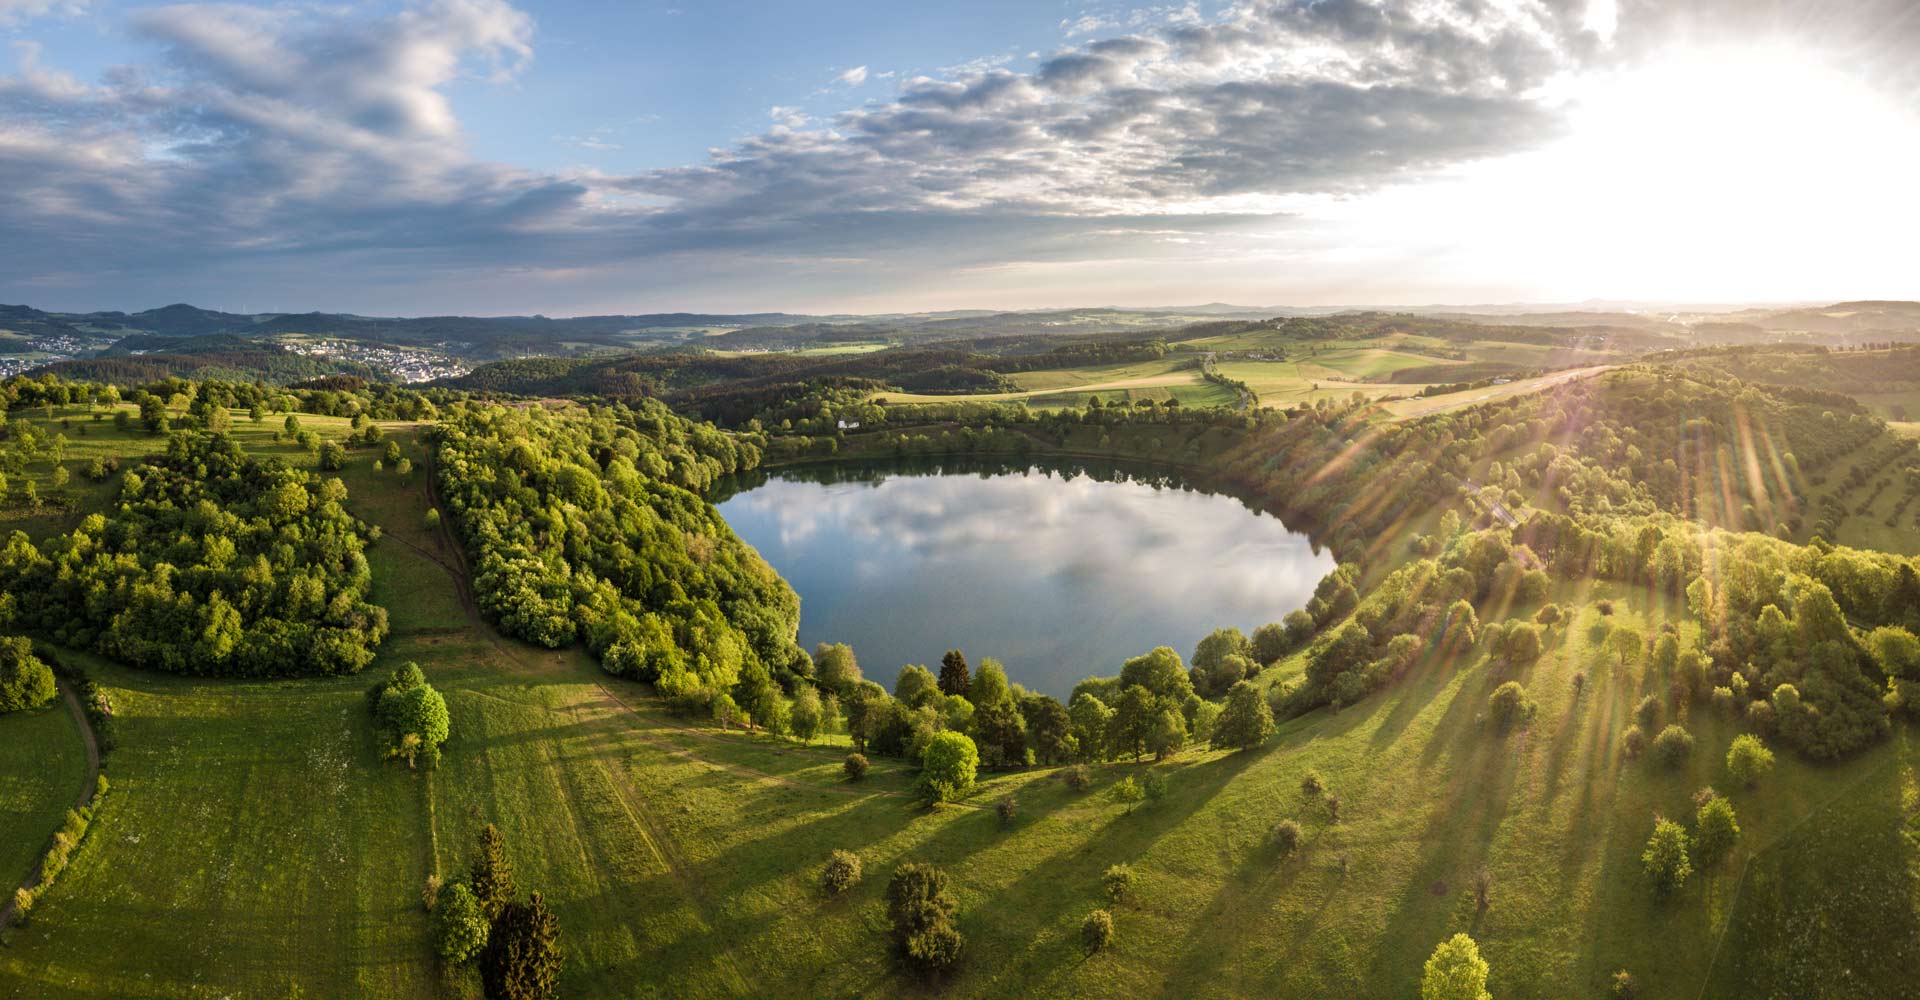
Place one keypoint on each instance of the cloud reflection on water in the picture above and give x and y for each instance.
(1058, 577)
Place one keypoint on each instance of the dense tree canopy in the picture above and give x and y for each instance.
(212, 562)
(583, 526)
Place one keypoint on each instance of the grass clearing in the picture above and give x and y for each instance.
(42, 766)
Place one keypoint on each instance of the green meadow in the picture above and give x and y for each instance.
(257, 844)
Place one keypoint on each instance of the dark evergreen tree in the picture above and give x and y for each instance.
(492, 872)
(522, 957)
(954, 678)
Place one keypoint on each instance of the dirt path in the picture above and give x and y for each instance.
(1504, 391)
(86, 789)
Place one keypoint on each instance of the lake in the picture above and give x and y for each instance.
(1059, 571)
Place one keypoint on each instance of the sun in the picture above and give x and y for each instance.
(1737, 173)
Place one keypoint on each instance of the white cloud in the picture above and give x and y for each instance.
(17, 12)
(854, 77)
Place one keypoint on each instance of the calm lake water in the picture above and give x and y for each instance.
(1058, 571)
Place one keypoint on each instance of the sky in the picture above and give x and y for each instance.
(625, 156)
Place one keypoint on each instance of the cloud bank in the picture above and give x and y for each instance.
(314, 150)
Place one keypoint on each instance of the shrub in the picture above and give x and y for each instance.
(1748, 760)
(1666, 857)
(1286, 836)
(1723, 702)
(1604, 606)
(1647, 712)
(1118, 881)
(922, 912)
(1079, 777)
(855, 766)
(460, 926)
(842, 872)
(1548, 616)
(1126, 791)
(1622, 986)
(1672, 746)
(1310, 784)
(1096, 932)
(1005, 809)
(1633, 742)
(430, 891)
(1508, 706)
(1715, 830)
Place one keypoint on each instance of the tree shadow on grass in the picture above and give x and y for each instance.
(1063, 886)
(1459, 832)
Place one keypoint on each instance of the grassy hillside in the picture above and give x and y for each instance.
(257, 843)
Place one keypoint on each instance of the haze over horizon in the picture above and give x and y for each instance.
(481, 157)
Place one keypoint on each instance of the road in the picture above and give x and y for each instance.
(1456, 400)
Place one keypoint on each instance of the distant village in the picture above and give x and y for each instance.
(405, 364)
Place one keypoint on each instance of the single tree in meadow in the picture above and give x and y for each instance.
(1666, 858)
(1455, 971)
(1748, 760)
(1508, 706)
(1673, 746)
(1715, 830)
(947, 771)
